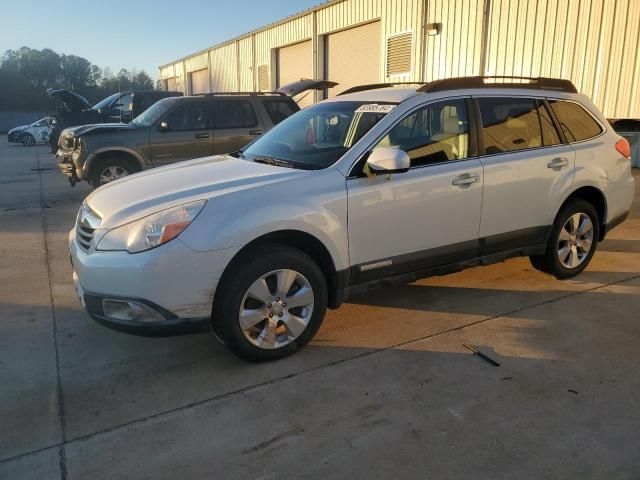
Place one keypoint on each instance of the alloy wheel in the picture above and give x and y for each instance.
(276, 309)
(575, 240)
(112, 173)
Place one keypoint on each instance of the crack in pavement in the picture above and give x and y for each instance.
(243, 390)
(60, 392)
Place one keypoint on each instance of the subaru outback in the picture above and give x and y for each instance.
(380, 184)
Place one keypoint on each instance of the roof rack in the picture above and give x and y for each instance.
(374, 86)
(543, 83)
(213, 94)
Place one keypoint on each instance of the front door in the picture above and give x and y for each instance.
(428, 216)
(235, 124)
(527, 171)
(184, 133)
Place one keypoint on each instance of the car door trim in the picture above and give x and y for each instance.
(451, 258)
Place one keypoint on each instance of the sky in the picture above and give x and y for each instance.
(140, 34)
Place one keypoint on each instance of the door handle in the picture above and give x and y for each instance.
(256, 132)
(558, 163)
(465, 179)
(201, 135)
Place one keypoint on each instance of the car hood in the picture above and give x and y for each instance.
(157, 189)
(99, 128)
(19, 128)
(71, 100)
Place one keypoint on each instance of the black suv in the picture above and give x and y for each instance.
(122, 107)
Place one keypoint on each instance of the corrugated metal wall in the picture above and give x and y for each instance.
(595, 43)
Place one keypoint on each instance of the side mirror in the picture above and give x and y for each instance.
(163, 127)
(386, 160)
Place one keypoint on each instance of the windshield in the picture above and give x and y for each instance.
(105, 102)
(152, 114)
(317, 136)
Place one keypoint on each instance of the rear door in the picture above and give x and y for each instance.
(188, 133)
(527, 170)
(235, 123)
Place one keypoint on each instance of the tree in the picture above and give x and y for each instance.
(26, 73)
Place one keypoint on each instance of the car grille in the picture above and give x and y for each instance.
(88, 221)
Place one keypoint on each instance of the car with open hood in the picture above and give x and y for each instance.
(381, 184)
(73, 109)
(176, 129)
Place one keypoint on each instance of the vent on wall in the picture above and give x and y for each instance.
(399, 52)
(264, 83)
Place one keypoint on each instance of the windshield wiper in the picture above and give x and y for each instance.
(273, 161)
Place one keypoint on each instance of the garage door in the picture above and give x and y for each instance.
(171, 84)
(296, 62)
(200, 81)
(352, 57)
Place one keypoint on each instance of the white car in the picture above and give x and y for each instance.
(378, 185)
(37, 132)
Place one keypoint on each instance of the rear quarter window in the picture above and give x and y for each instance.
(576, 123)
(278, 110)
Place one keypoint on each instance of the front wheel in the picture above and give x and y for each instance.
(271, 305)
(110, 169)
(28, 140)
(572, 242)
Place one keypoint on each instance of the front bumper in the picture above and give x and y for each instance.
(14, 137)
(70, 164)
(175, 282)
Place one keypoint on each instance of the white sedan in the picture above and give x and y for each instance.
(37, 132)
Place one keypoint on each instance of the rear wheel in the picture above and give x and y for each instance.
(572, 242)
(28, 140)
(272, 304)
(110, 169)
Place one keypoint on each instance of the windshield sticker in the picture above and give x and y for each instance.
(375, 108)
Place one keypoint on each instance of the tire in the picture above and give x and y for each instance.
(274, 330)
(119, 167)
(28, 140)
(566, 257)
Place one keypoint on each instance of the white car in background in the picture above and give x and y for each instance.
(375, 186)
(37, 132)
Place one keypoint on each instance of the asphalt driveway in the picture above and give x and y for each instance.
(385, 390)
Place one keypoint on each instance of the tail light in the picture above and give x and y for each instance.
(623, 147)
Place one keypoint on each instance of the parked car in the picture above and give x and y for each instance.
(174, 129)
(375, 186)
(15, 134)
(37, 132)
(122, 107)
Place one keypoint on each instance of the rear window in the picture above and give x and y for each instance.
(576, 123)
(233, 114)
(278, 110)
(510, 124)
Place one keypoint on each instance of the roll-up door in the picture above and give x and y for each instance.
(200, 81)
(352, 57)
(171, 84)
(296, 62)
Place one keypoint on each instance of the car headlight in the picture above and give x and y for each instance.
(153, 230)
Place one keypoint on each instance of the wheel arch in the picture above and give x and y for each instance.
(595, 197)
(302, 241)
(122, 153)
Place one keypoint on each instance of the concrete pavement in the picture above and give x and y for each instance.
(385, 390)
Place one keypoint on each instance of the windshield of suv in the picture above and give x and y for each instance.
(105, 102)
(152, 114)
(317, 136)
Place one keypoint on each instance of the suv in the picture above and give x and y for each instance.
(73, 109)
(374, 186)
(174, 129)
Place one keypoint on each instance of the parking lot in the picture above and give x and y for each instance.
(386, 389)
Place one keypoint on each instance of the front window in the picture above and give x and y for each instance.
(105, 102)
(318, 136)
(152, 114)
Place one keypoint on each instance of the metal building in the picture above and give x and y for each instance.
(594, 43)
